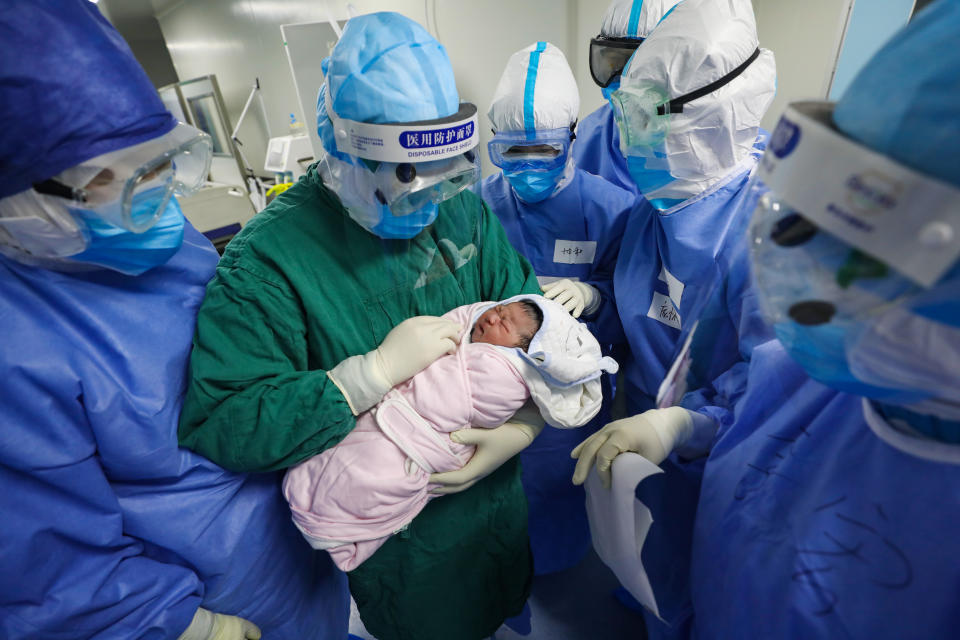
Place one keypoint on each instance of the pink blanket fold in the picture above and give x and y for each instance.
(351, 498)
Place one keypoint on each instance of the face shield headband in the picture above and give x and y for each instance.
(406, 142)
(608, 57)
(903, 218)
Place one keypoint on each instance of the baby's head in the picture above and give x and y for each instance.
(508, 325)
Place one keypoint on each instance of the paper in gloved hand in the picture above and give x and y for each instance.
(619, 523)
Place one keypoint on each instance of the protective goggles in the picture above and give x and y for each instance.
(642, 112)
(535, 150)
(608, 57)
(407, 187)
(112, 185)
(406, 142)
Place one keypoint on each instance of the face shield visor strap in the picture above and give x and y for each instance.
(898, 216)
(608, 57)
(52, 187)
(676, 104)
(405, 142)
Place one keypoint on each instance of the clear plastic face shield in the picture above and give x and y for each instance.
(608, 57)
(392, 180)
(130, 187)
(856, 262)
(412, 165)
(540, 150)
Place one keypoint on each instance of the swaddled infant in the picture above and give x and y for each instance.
(351, 498)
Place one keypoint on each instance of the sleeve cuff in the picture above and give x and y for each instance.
(358, 380)
(701, 439)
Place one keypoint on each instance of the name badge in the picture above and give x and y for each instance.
(574, 251)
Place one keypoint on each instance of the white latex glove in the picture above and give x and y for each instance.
(576, 297)
(494, 447)
(207, 625)
(653, 434)
(407, 350)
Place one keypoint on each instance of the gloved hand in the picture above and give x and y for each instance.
(408, 349)
(207, 625)
(576, 297)
(494, 447)
(653, 434)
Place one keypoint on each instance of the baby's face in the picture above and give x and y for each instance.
(504, 325)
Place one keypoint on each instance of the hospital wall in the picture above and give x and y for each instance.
(239, 40)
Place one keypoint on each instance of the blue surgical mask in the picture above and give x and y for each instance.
(391, 227)
(646, 178)
(649, 180)
(534, 186)
(821, 351)
(128, 252)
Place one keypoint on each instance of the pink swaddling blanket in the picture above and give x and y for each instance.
(351, 498)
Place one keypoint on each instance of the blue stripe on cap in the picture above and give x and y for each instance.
(633, 24)
(528, 123)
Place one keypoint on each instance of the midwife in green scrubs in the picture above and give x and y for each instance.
(299, 329)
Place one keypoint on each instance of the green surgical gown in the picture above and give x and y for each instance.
(299, 289)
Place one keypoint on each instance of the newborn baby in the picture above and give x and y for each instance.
(351, 498)
(508, 325)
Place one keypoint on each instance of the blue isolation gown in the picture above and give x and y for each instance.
(681, 265)
(586, 210)
(111, 530)
(819, 519)
(597, 149)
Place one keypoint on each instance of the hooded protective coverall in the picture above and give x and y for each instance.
(574, 232)
(686, 255)
(597, 148)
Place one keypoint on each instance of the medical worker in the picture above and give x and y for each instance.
(330, 297)
(625, 25)
(689, 108)
(568, 223)
(110, 530)
(829, 508)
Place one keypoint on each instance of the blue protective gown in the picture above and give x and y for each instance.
(683, 264)
(668, 273)
(597, 149)
(588, 208)
(817, 521)
(111, 530)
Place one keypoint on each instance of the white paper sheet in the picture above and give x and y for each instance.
(619, 524)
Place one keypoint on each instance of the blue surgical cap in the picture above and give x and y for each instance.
(905, 103)
(387, 68)
(71, 90)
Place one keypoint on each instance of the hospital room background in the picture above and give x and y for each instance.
(247, 71)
